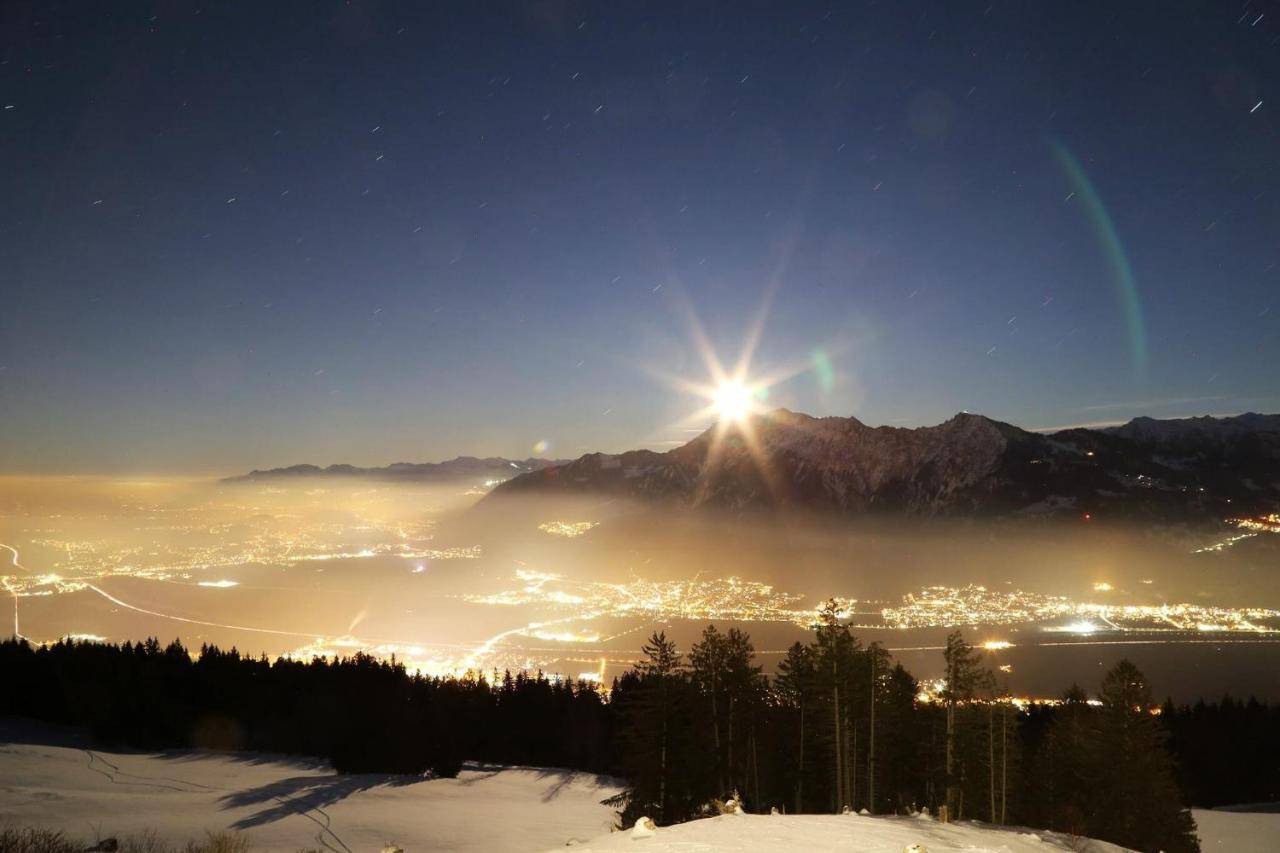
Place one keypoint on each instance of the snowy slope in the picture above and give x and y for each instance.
(1238, 832)
(851, 833)
(285, 804)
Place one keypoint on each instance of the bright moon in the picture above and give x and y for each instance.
(732, 401)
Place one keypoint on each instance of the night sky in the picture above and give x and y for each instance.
(254, 234)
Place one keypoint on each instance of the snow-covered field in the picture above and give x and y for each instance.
(845, 833)
(1220, 832)
(282, 803)
(54, 778)
(1238, 832)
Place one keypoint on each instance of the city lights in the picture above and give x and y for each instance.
(568, 529)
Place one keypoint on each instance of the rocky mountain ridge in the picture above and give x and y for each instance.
(969, 464)
(461, 467)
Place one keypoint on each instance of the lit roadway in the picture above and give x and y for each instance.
(12, 591)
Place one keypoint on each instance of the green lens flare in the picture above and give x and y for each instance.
(1113, 249)
(825, 372)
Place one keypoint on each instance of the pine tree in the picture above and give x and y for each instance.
(1062, 800)
(1008, 750)
(744, 689)
(795, 687)
(836, 653)
(1136, 801)
(964, 677)
(903, 742)
(660, 666)
(708, 663)
(878, 670)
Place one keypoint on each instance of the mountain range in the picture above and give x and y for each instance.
(969, 465)
(460, 468)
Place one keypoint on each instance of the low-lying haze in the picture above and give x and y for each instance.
(574, 586)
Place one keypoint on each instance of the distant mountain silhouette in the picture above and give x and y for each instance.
(968, 465)
(460, 468)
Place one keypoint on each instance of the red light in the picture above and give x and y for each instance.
(1088, 516)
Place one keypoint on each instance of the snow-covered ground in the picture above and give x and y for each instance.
(845, 833)
(285, 804)
(1238, 832)
(55, 778)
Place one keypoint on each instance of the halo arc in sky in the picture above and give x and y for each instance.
(1113, 250)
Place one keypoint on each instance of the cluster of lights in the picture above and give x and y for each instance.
(1082, 627)
(934, 692)
(484, 488)
(1262, 524)
(1269, 523)
(183, 552)
(728, 598)
(939, 606)
(415, 658)
(568, 529)
(408, 552)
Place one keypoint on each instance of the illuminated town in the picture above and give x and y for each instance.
(1262, 524)
(1269, 523)
(188, 546)
(942, 606)
(696, 599)
(568, 529)
(735, 599)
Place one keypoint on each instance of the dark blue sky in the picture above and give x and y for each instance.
(263, 233)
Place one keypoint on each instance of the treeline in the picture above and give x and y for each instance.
(1228, 752)
(364, 715)
(840, 726)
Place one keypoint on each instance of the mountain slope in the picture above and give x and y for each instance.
(968, 465)
(462, 467)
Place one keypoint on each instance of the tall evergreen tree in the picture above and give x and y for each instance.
(722, 668)
(964, 676)
(745, 689)
(877, 671)
(1136, 801)
(901, 728)
(1063, 796)
(795, 686)
(708, 662)
(836, 651)
(671, 771)
(661, 668)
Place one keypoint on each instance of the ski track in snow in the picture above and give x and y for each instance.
(114, 773)
(284, 803)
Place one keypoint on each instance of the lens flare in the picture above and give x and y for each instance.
(824, 370)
